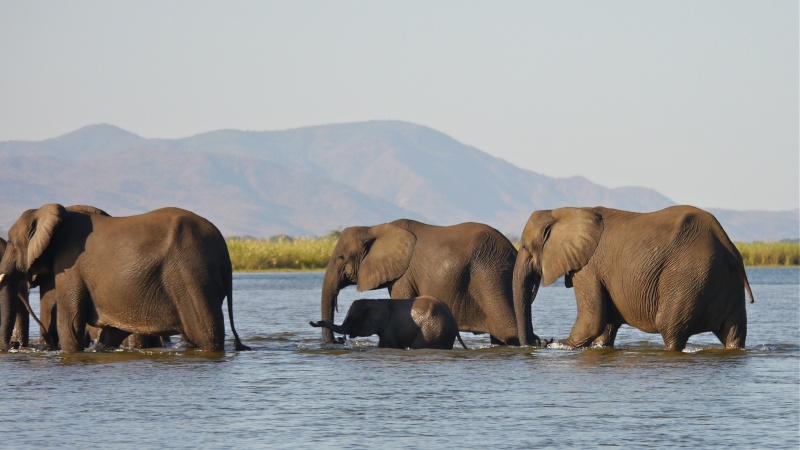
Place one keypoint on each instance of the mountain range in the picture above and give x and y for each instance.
(310, 181)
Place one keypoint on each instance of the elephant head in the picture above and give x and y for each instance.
(554, 244)
(29, 238)
(370, 258)
(26, 256)
(364, 318)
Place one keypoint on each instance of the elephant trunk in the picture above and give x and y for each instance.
(526, 285)
(8, 297)
(328, 325)
(330, 294)
(8, 313)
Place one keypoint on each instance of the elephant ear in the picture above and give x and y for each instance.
(45, 221)
(570, 242)
(387, 257)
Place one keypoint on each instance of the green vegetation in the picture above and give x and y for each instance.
(312, 253)
(783, 253)
(283, 252)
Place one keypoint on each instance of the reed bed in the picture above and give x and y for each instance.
(783, 253)
(312, 253)
(283, 253)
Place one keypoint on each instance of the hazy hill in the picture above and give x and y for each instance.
(309, 181)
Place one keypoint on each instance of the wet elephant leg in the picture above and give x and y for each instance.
(733, 331)
(607, 338)
(496, 302)
(111, 337)
(592, 320)
(71, 318)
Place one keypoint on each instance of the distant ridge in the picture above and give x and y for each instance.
(309, 181)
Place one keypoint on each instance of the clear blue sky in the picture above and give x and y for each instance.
(696, 99)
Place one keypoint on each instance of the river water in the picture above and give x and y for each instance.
(292, 392)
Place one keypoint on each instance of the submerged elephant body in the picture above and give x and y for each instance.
(673, 272)
(467, 266)
(421, 322)
(161, 273)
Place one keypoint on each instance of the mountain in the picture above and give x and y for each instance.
(309, 181)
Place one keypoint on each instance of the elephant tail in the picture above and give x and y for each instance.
(458, 335)
(747, 286)
(228, 275)
(733, 256)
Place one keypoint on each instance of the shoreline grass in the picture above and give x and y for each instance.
(285, 253)
(770, 254)
(281, 253)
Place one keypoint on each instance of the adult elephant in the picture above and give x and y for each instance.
(673, 272)
(161, 273)
(14, 319)
(468, 266)
(48, 311)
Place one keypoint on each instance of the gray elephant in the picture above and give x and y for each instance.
(421, 322)
(468, 266)
(673, 272)
(161, 273)
(14, 318)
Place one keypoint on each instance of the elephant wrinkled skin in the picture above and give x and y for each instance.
(161, 273)
(673, 272)
(467, 266)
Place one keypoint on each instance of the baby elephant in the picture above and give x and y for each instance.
(421, 322)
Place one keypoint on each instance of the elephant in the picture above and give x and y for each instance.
(673, 272)
(14, 319)
(160, 273)
(468, 266)
(420, 322)
(48, 312)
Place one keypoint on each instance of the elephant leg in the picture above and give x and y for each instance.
(401, 290)
(111, 337)
(205, 329)
(48, 315)
(592, 320)
(495, 299)
(71, 318)
(607, 338)
(733, 331)
(21, 328)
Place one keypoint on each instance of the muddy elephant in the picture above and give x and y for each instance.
(421, 322)
(468, 266)
(673, 272)
(14, 318)
(161, 273)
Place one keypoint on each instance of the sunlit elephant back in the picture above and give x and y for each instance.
(162, 273)
(673, 272)
(468, 266)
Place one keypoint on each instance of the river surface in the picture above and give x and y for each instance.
(293, 392)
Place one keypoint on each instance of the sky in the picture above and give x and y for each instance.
(695, 99)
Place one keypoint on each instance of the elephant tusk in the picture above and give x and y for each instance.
(2, 275)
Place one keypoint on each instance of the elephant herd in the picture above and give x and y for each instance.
(105, 279)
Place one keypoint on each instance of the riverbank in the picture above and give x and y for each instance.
(304, 253)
